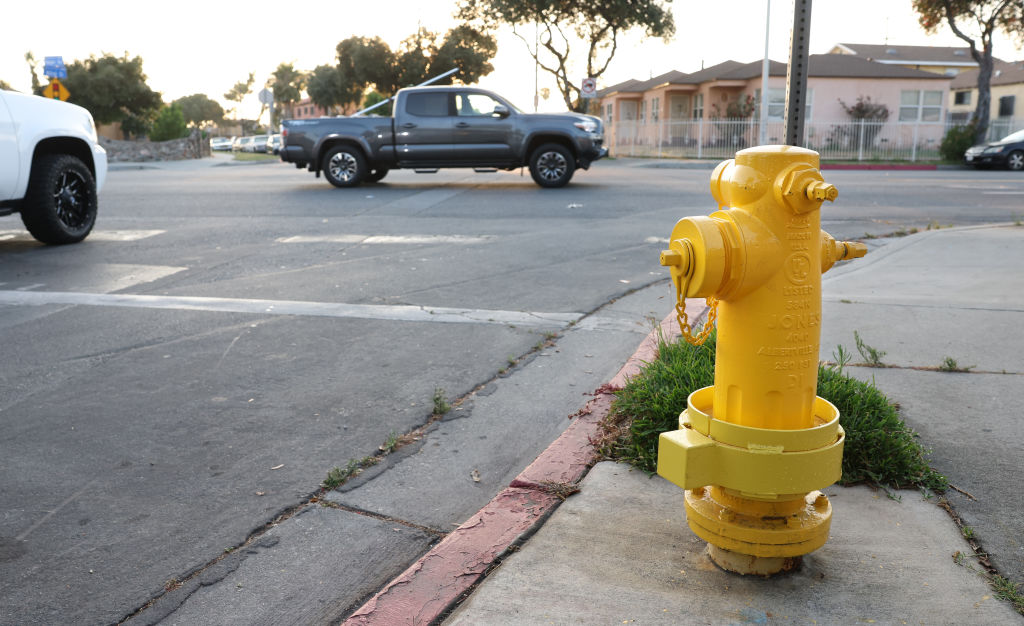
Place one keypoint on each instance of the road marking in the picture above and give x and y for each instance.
(96, 235)
(400, 313)
(1002, 193)
(385, 239)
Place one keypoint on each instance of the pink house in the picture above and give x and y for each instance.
(677, 109)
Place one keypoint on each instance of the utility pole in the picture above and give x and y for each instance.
(764, 76)
(796, 72)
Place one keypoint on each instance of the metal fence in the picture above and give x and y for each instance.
(845, 140)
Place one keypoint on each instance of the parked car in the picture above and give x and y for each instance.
(274, 144)
(1007, 152)
(52, 166)
(236, 144)
(220, 143)
(257, 143)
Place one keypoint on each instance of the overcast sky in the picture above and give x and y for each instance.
(205, 47)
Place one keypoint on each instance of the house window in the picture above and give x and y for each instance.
(608, 113)
(655, 108)
(1006, 106)
(777, 104)
(962, 97)
(919, 105)
(643, 111)
(698, 106)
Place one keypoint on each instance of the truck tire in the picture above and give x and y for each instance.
(552, 165)
(377, 174)
(344, 166)
(60, 204)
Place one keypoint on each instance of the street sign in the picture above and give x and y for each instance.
(53, 67)
(56, 90)
(589, 88)
(266, 96)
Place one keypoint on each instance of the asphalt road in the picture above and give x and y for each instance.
(188, 375)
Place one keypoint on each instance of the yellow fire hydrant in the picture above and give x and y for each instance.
(754, 450)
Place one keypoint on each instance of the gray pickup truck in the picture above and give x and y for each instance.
(441, 127)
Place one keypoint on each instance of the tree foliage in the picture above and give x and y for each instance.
(198, 109)
(241, 89)
(326, 89)
(369, 63)
(169, 124)
(975, 22)
(567, 25)
(114, 89)
(287, 83)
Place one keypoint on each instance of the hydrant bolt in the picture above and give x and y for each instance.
(671, 257)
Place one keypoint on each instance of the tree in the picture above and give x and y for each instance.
(114, 89)
(287, 84)
(466, 48)
(198, 108)
(975, 21)
(240, 90)
(563, 24)
(373, 98)
(169, 124)
(5, 85)
(370, 63)
(326, 90)
(33, 68)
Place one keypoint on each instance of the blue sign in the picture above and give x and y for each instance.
(53, 67)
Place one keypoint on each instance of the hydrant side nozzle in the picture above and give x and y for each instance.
(820, 190)
(853, 250)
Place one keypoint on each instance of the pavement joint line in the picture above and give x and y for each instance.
(431, 587)
(401, 313)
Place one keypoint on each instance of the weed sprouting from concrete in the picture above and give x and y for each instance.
(949, 364)
(871, 356)
(441, 404)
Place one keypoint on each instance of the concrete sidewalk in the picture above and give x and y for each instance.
(619, 551)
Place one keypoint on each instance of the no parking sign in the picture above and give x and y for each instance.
(589, 88)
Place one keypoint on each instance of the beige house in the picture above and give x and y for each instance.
(1007, 85)
(948, 61)
(717, 108)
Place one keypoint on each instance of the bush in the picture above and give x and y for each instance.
(169, 124)
(957, 140)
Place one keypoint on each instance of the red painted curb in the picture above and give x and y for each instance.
(430, 585)
(436, 582)
(869, 166)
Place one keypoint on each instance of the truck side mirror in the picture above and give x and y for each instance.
(500, 110)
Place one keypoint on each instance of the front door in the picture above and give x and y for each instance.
(481, 135)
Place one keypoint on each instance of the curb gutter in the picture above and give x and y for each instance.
(444, 576)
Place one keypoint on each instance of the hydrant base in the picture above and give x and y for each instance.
(750, 564)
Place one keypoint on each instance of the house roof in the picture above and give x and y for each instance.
(1003, 73)
(910, 55)
(818, 66)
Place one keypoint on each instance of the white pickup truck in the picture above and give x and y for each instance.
(51, 166)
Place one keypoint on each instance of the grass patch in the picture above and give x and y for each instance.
(255, 156)
(949, 364)
(880, 449)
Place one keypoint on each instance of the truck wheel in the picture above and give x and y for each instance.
(552, 165)
(377, 174)
(60, 206)
(344, 166)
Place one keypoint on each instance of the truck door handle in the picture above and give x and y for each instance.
(462, 125)
(408, 125)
